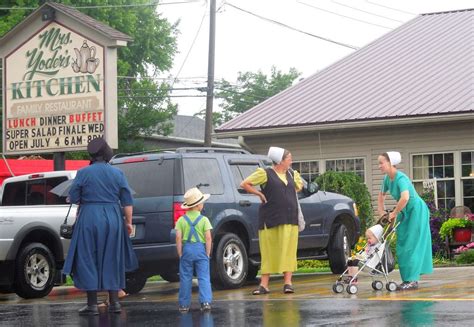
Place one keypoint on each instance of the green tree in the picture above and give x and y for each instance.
(143, 103)
(249, 90)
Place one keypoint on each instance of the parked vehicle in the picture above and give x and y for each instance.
(160, 180)
(31, 251)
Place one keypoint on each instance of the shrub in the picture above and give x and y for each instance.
(450, 224)
(465, 257)
(351, 185)
(437, 217)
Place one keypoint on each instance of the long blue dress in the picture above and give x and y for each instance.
(101, 251)
(414, 252)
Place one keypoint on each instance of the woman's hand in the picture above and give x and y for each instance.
(129, 229)
(392, 216)
(262, 197)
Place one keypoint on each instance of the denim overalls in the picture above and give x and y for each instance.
(194, 256)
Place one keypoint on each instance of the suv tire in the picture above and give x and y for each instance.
(171, 277)
(34, 271)
(339, 249)
(229, 267)
(134, 283)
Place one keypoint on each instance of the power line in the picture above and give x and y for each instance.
(391, 8)
(367, 12)
(152, 3)
(292, 28)
(344, 16)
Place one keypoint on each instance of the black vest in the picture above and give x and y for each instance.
(281, 207)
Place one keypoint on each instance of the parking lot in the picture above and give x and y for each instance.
(444, 298)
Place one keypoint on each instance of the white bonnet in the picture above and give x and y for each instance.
(377, 230)
(395, 157)
(275, 154)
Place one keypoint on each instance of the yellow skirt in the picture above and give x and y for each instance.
(278, 246)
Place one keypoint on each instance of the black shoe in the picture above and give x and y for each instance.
(288, 289)
(205, 306)
(89, 310)
(115, 307)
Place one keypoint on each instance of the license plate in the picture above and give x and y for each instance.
(134, 228)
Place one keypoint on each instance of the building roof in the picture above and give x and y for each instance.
(76, 15)
(191, 129)
(423, 68)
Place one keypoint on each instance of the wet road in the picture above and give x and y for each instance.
(445, 298)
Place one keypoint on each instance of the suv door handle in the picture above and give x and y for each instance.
(245, 203)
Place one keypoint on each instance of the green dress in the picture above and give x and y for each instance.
(413, 234)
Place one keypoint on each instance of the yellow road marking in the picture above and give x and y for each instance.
(417, 299)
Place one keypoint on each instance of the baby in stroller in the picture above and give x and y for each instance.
(376, 258)
(374, 236)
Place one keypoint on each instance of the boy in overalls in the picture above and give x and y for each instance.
(193, 243)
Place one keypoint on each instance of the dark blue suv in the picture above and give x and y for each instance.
(160, 180)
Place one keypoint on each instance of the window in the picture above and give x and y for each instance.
(240, 172)
(309, 170)
(441, 167)
(467, 178)
(33, 192)
(149, 178)
(355, 165)
(203, 173)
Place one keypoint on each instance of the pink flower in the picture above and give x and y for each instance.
(465, 248)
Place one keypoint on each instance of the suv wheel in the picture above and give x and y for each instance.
(34, 271)
(134, 283)
(171, 277)
(229, 266)
(339, 249)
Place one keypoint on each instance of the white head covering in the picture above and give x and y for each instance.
(395, 157)
(377, 230)
(275, 154)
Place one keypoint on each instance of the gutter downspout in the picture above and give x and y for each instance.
(244, 145)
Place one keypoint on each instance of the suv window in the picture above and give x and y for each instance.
(149, 178)
(241, 172)
(203, 173)
(33, 192)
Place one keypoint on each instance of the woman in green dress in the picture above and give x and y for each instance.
(413, 234)
(278, 217)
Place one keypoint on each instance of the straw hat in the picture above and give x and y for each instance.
(377, 230)
(193, 197)
(275, 154)
(395, 157)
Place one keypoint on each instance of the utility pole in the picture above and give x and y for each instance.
(210, 74)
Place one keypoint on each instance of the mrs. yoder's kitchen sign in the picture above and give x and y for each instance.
(59, 81)
(54, 92)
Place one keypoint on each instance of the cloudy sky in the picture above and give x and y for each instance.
(250, 35)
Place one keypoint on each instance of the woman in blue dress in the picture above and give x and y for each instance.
(413, 234)
(101, 251)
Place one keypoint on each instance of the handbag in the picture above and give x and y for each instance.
(301, 222)
(66, 230)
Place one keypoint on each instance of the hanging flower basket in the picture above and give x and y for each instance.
(462, 235)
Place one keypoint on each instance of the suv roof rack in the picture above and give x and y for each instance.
(210, 150)
(183, 150)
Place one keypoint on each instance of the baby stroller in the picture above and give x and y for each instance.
(379, 263)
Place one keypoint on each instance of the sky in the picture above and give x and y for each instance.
(245, 42)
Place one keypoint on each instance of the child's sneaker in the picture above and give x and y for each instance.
(205, 306)
(183, 309)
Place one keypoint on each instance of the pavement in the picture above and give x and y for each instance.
(445, 298)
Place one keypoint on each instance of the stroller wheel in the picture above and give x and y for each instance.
(377, 285)
(391, 286)
(351, 289)
(338, 288)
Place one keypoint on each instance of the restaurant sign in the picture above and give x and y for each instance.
(53, 93)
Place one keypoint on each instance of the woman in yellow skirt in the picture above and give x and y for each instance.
(278, 217)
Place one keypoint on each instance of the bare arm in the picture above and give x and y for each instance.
(128, 211)
(208, 242)
(381, 204)
(179, 243)
(248, 187)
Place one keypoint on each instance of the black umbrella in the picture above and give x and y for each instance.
(62, 189)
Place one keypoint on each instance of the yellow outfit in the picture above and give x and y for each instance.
(278, 245)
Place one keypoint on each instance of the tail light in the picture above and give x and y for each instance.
(177, 212)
